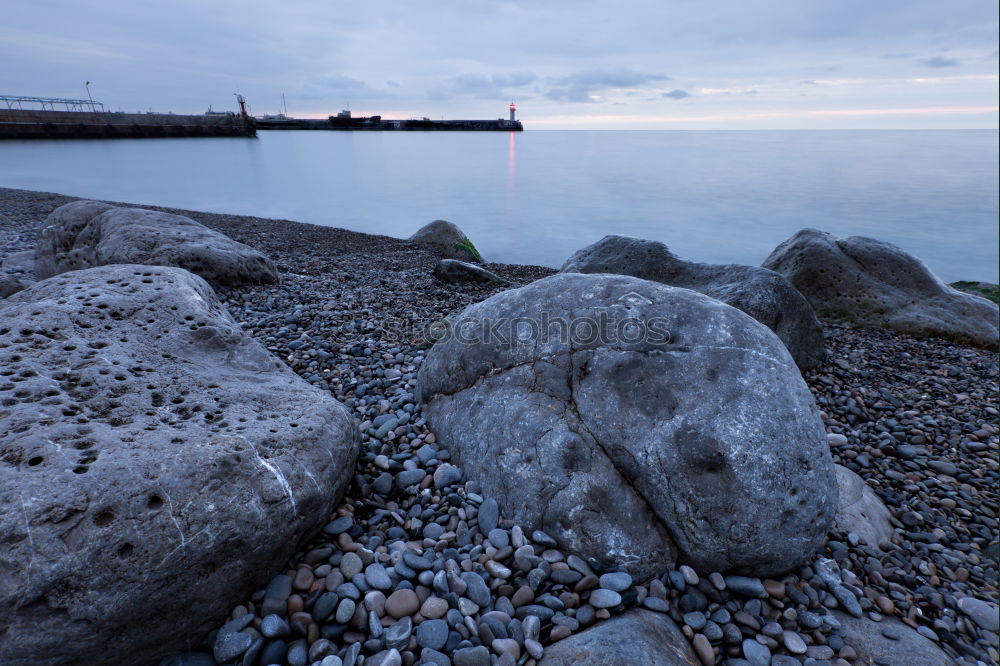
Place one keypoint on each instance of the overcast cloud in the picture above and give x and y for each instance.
(641, 64)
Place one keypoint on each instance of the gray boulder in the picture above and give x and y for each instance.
(21, 264)
(764, 295)
(868, 283)
(10, 285)
(455, 271)
(156, 465)
(861, 511)
(908, 648)
(83, 234)
(682, 427)
(447, 240)
(634, 638)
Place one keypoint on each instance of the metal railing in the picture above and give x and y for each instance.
(50, 103)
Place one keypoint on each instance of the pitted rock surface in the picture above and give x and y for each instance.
(708, 445)
(763, 294)
(84, 234)
(869, 283)
(635, 638)
(155, 464)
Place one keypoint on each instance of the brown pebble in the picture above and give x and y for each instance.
(774, 588)
(295, 604)
(402, 603)
(508, 645)
(523, 596)
(703, 649)
(602, 614)
(434, 608)
(885, 605)
(560, 632)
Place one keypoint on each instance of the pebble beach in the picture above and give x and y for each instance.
(416, 565)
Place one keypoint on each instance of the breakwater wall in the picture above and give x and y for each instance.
(379, 125)
(32, 124)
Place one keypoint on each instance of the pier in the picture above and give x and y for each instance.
(344, 121)
(75, 122)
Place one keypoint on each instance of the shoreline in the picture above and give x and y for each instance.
(916, 416)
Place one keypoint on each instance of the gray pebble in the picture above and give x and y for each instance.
(618, 581)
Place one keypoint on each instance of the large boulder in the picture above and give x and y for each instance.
(866, 282)
(635, 421)
(889, 642)
(861, 511)
(764, 295)
(634, 638)
(83, 234)
(447, 240)
(156, 464)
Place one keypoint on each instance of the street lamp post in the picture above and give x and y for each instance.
(89, 97)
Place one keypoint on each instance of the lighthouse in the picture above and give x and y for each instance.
(513, 111)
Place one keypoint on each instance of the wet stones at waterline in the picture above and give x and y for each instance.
(697, 439)
(156, 463)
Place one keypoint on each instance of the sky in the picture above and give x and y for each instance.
(602, 64)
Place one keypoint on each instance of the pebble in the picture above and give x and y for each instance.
(433, 608)
(351, 565)
(231, 644)
(401, 603)
(602, 598)
(794, 642)
(618, 581)
(748, 587)
(471, 656)
(378, 577)
(489, 515)
(755, 653)
(397, 636)
(432, 634)
(703, 650)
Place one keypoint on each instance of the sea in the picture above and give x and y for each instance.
(535, 197)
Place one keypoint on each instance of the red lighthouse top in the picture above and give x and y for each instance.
(512, 107)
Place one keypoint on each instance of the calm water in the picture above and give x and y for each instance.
(536, 197)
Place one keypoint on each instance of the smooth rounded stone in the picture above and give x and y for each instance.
(446, 475)
(448, 241)
(695, 619)
(433, 608)
(84, 234)
(390, 657)
(543, 539)
(146, 468)
(351, 565)
(703, 649)
(338, 525)
(820, 652)
(458, 272)
(467, 607)
(755, 653)
(601, 598)
(324, 606)
(398, 634)
(432, 634)
(410, 477)
(761, 293)
(793, 642)
(476, 589)
(712, 631)
(635, 637)
(764, 509)
(618, 581)
(656, 604)
(401, 603)
(430, 656)
(298, 653)
(345, 611)
(471, 656)
(489, 515)
(321, 649)
(748, 587)
(378, 577)
(860, 510)
(870, 283)
(274, 626)
(497, 570)
(565, 576)
(867, 640)
(349, 591)
(383, 483)
(784, 660)
(231, 644)
(499, 538)
(983, 614)
(506, 645)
